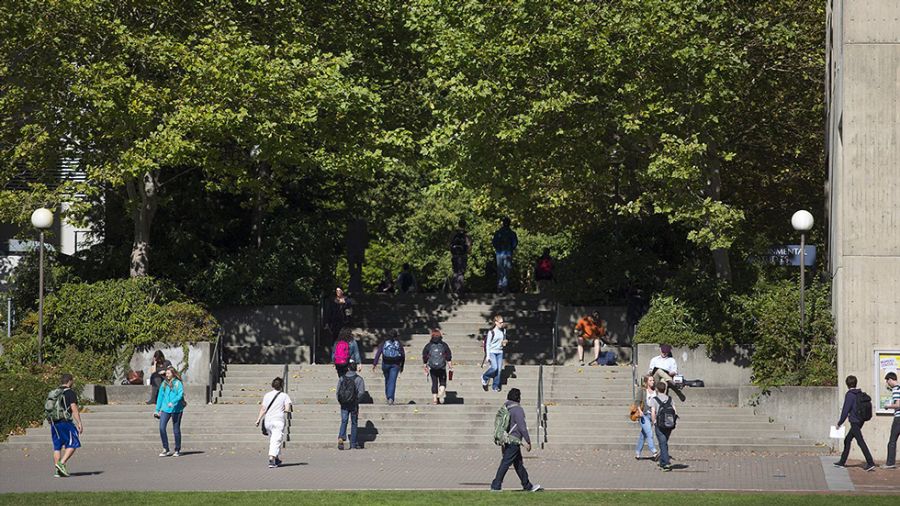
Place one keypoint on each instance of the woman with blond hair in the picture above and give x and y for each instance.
(170, 405)
(643, 406)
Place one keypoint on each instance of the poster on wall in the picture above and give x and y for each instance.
(885, 361)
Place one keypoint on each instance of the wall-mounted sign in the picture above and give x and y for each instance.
(789, 254)
(885, 361)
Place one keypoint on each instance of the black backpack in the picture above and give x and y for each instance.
(458, 243)
(666, 418)
(346, 394)
(863, 407)
(436, 358)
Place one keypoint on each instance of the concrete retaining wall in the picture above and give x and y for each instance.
(726, 369)
(197, 372)
(808, 410)
(267, 325)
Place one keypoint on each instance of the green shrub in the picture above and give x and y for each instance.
(90, 328)
(670, 320)
(22, 396)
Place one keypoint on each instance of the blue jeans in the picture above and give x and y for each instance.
(504, 266)
(646, 434)
(391, 371)
(663, 437)
(353, 414)
(176, 429)
(494, 372)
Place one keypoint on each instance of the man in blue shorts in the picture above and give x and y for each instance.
(61, 411)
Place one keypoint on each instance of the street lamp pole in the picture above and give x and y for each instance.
(42, 219)
(802, 221)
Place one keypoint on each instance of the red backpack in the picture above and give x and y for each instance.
(544, 268)
(341, 353)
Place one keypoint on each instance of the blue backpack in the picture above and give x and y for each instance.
(391, 349)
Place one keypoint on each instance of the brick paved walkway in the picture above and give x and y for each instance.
(244, 469)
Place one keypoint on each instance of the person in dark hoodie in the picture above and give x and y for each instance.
(512, 453)
(350, 389)
(438, 360)
(855, 432)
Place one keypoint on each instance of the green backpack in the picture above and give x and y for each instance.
(55, 408)
(502, 428)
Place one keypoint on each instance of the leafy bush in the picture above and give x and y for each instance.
(782, 355)
(22, 396)
(670, 321)
(90, 328)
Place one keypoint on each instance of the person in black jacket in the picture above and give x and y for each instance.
(855, 432)
(438, 360)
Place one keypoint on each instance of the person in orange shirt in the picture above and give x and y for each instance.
(589, 330)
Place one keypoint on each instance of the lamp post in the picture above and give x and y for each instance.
(42, 219)
(802, 221)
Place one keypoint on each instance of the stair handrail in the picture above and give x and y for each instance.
(634, 380)
(287, 415)
(216, 364)
(555, 330)
(541, 419)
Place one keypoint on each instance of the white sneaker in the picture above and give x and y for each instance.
(176, 454)
(165, 453)
(536, 488)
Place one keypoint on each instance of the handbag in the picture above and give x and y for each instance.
(634, 413)
(263, 424)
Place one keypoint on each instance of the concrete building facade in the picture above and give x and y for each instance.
(863, 132)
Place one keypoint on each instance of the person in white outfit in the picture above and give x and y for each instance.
(273, 414)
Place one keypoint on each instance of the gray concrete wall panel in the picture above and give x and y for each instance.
(871, 21)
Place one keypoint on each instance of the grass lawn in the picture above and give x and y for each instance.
(368, 498)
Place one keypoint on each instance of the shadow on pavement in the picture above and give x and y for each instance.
(292, 464)
(86, 473)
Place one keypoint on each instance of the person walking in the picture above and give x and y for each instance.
(350, 389)
(643, 399)
(543, 272)
(850, 411)
(891, 380)
(460, 246)
(406, 281)
(494, 342)
(64, 418)
(157, 370)
(391, 350)
(438, 359)
(170, 405)
(510, 436)
(338, 313)
(505, 242)
(345, 350)
(273, 414)
(663, 416)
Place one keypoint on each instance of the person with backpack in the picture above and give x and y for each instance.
(505, 242)
(350, 389)
(438, 360)
(510, 432)
(64, 418)
(543, 271)
(345, 349)
(858, 410)
(170, 405)
(664, 418)
(891, 380)
(157, 370)
(460, 246)
(406, 282)
(494, 342)
(273, 411)
(643, 407)
(391, 349)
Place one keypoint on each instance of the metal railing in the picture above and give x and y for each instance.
(634, 380)
(555, 331)
(287, 415)
(216, 367)
(541, 410)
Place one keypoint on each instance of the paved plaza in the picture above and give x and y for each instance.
(244, 469)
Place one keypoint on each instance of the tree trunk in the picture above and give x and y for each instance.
(256, 223)
(720, 256)
(143, 194)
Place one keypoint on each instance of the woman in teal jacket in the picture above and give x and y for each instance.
(170, 404)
